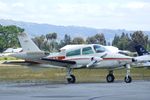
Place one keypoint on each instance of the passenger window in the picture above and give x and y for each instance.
(87, 50)
(73, 53)
(99, 49)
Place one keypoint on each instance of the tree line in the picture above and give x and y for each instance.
(51, 43)
(8, 37)
(125, 41)
(128, 41)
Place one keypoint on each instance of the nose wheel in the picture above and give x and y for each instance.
(128, 78)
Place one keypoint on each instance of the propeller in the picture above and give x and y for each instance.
(95, 60)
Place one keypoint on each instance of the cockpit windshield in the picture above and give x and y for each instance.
(99, 49)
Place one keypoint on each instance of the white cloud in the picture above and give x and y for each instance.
(3, 7)
(18, 5)
(92, 13)
(136, 5)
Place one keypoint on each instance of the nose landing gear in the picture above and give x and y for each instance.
(128, 78)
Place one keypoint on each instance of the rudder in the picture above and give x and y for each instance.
(141, 50)
(27, 44)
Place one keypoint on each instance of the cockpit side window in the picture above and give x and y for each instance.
(74, 53)
(99, 49)
(87, 50)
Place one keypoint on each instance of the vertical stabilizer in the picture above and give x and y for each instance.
(27, 44)
(141, 50)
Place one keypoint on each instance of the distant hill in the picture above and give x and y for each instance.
(35, 29)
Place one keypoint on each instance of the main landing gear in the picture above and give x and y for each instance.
(110, 77)
(70, 77)
(128, 79)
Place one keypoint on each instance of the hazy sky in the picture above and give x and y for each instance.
(113, 14)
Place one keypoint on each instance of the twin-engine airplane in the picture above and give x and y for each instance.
(75, 57)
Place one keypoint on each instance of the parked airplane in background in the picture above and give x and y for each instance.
(143, 55)
(75, 57)
(141, 50)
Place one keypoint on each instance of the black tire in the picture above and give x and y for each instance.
(72, 79)
(110, 78)
(128, 79)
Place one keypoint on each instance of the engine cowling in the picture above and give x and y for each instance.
(97, 59)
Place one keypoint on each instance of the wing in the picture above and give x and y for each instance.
(20, 62)
(51, 62)
(55, 62)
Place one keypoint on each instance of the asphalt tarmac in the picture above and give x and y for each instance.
(139, 90)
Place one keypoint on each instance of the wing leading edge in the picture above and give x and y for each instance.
(55, 62)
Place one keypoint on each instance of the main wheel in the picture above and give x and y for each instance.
(72, 79)
(128, 79)
(110, 78)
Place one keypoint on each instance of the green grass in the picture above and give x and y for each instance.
(23, 74)
(7, 58)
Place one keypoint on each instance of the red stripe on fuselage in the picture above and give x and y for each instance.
(116, 58)
(103, 59)
(78, 58)
(58, 57)
(63, 58)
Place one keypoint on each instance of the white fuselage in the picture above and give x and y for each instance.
(111, 60)
(83, 58)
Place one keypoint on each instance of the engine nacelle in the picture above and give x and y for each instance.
(94, 60)
(97, 59)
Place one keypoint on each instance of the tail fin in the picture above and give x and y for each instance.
(141, 50)
(27, 44)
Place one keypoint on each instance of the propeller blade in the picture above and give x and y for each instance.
(90, 64)
(94, 60)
